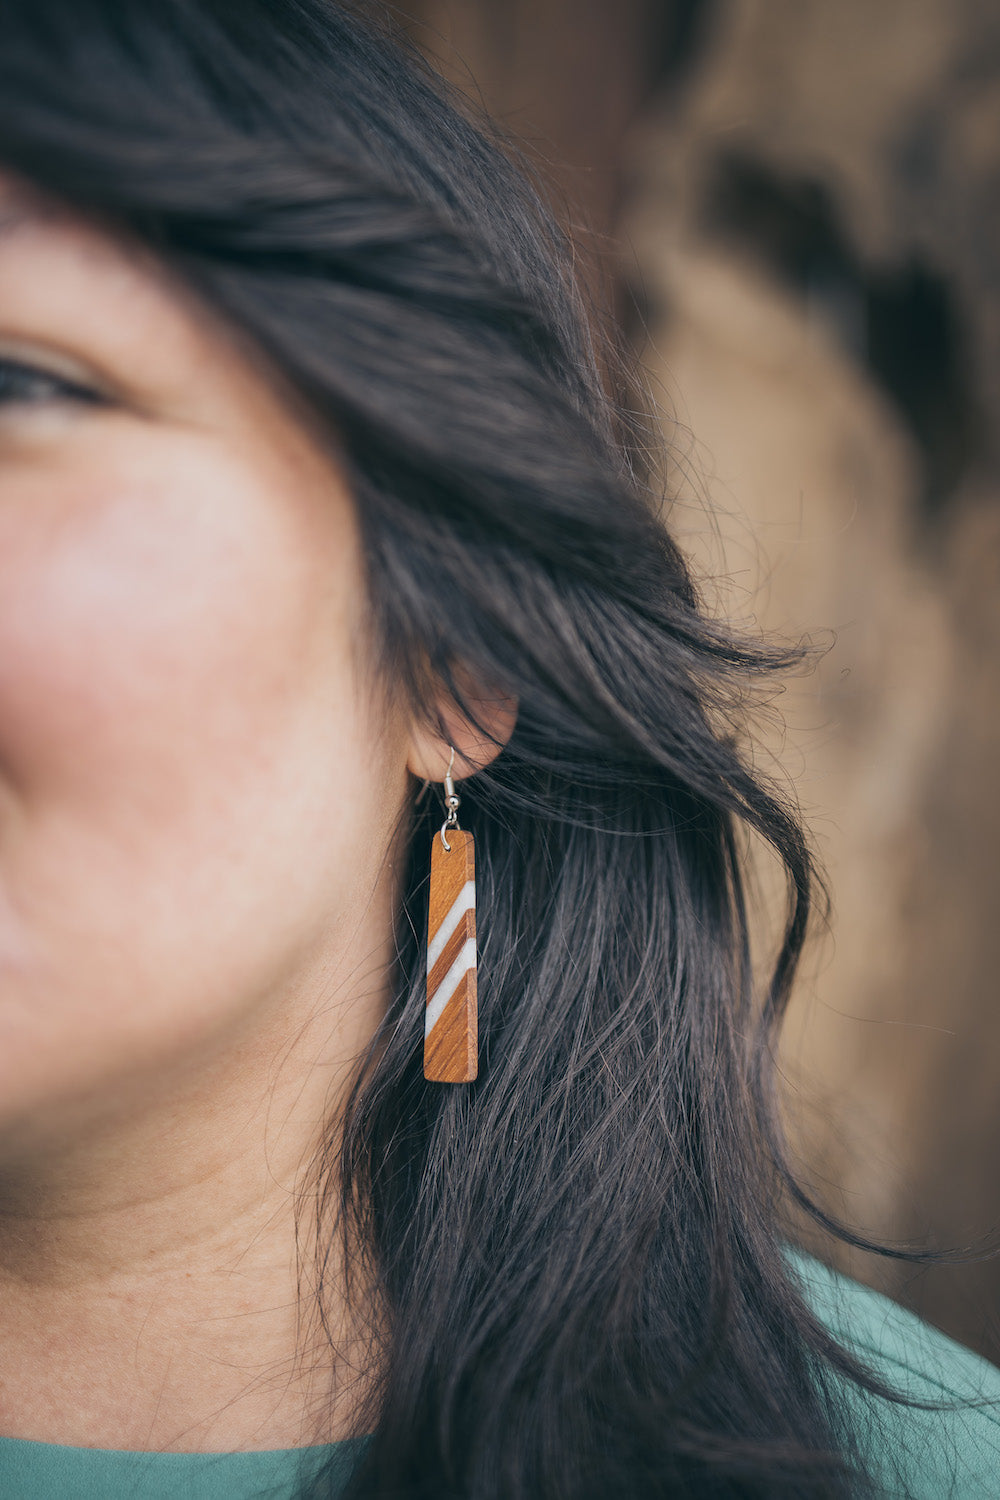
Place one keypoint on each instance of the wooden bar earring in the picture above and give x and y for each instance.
(451, 1029)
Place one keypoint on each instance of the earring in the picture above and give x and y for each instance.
(451, 1030)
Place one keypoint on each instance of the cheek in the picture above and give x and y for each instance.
(179, 727)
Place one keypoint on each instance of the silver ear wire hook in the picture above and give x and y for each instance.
(452, 800)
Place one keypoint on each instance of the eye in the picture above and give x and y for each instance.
(27, 385)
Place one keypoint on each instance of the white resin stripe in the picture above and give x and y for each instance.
(463, 902)
(463, 963)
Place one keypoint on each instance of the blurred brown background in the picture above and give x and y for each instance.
(795, 204)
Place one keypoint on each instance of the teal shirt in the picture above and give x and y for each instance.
(921, 1455)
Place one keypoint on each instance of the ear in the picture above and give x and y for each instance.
(475, 747)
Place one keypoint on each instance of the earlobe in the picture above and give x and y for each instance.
(475, 744)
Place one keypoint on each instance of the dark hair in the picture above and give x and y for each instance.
(581, 1281)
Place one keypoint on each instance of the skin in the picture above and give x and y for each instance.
(200, 794)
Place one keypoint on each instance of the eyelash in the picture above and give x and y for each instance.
(22, 384)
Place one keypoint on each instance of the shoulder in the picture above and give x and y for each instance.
(949, 1453)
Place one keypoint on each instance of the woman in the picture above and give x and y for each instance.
(311, 497)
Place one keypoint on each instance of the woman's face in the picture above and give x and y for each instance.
(197, 782)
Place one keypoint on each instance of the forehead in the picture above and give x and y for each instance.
(70, 287)
(89, 303)
(26, 214)
(58, 272)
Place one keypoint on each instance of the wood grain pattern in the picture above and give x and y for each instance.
(451, 1033)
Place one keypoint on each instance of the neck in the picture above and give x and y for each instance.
(150, 1251)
